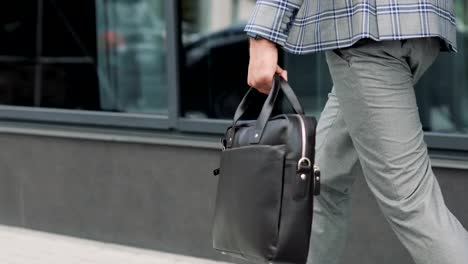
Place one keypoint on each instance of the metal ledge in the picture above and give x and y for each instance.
(449, 163)
(79, 117)
(439, 159)
(112, 135)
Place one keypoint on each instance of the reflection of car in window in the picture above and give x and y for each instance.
(215, 75)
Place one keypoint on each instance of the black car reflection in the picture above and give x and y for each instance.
(214, 76)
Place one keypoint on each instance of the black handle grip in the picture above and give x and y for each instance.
(265, 114)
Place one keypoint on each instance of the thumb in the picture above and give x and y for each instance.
(282, 73)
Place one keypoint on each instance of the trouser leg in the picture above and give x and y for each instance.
(374, 87)
(338, 161)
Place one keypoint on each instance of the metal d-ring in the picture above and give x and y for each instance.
(303, 160)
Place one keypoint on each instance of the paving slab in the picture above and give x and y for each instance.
(24, 246)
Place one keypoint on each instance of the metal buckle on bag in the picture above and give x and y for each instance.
(304, 163)
(223, 143)
(317, 176)
(304, 167)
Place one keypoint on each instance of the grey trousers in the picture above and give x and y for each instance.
(370, 127)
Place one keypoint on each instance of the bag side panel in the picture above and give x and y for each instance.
(296, 220)
(297, 210)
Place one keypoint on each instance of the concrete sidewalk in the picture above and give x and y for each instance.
(22, 246)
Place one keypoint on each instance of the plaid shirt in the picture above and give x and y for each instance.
(304, 26)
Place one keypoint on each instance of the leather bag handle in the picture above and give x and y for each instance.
(265, 114)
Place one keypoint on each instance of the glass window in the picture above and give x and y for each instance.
(17, 51)
(131, 56)
(17, 29)
(113, 60)
(47, 54)
(215, 60)
(443, 91)
(309, 76)
(17, 83)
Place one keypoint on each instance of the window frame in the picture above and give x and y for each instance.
(173, 120)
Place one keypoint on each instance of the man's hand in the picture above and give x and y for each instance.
(263, 65)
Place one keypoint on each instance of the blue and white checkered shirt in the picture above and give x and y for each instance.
(304, 26)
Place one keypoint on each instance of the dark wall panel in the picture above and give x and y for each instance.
(157, 197)
(143, 195)
(10, 183)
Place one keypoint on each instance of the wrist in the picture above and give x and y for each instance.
(257, 40)
(262, 43)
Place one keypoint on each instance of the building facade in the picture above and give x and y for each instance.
(111, 113)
